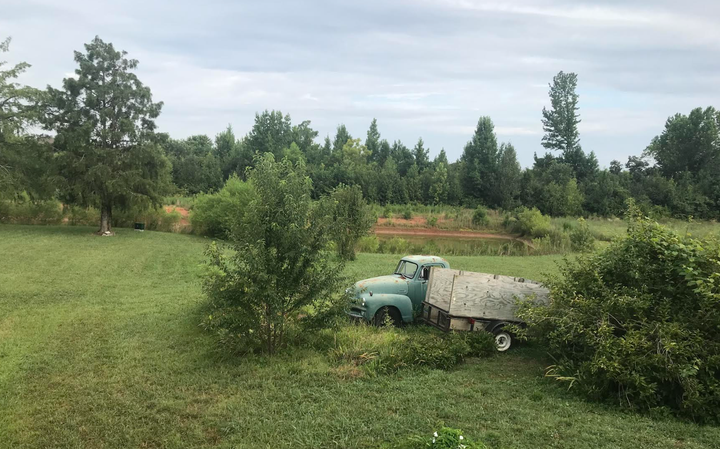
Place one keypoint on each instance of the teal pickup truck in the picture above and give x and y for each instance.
(399, 295)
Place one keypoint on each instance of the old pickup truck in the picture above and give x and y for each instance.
(425, 287)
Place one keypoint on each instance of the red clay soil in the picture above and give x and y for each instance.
(434, 232)
(184, 214)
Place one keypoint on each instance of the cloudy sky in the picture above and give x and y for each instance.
(425, 68)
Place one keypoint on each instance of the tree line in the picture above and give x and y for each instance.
(106, 152)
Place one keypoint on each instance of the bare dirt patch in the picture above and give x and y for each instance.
(184, 214)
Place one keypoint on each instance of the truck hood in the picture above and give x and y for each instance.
(393, 284)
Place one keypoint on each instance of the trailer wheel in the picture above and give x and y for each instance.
(503, 340)
(394, 314)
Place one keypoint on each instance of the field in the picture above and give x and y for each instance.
(100, 348)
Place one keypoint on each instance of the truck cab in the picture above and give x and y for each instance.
(397, 296)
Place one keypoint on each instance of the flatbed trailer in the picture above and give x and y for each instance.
(468, 301)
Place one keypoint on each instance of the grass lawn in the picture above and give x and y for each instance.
(100, 348)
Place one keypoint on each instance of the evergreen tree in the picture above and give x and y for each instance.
(560, 122)
(421, 155)
(480, 160)
(106, 149)
(508, 177)
(372, 142)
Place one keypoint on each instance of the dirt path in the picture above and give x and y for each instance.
(434, 232)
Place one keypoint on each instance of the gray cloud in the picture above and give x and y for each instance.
(425, 68)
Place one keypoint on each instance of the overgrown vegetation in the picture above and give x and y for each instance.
(385, 350)
(280, 273)
(639, 322)
(70, 342)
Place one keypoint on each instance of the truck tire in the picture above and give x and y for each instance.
(394, 314)
(503, 339)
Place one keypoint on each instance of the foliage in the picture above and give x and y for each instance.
(529, 222)
(214, 214)
(581, 237)
(280, 273)
(105, 122)
(480, 217)
(385, 350)
(432, 220)
(135, 348)
(639, 322)
(24, 159)
(352, 219)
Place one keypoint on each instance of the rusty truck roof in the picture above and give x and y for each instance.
(422, 259)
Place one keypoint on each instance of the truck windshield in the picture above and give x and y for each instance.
(406, 269)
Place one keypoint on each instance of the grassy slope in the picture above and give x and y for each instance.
(99, 347)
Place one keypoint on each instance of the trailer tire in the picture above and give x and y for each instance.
(503, 339)
(394, 313)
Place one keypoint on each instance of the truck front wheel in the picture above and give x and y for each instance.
(387, 315)
(503, 340)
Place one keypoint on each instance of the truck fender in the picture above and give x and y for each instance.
(380, 300)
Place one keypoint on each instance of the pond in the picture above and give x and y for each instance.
(451, 246)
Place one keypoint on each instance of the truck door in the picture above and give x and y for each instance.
(422, 283)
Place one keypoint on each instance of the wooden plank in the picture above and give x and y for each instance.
(481, 295)
(440, 287)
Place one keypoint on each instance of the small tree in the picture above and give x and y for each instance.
(280, 263)
(353, 219)
(105, 145)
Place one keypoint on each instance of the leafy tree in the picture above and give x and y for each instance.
(403, 157)
(24, 159)
(560, 122)
(480, 160)
(227, 151)
(688, 143)
(106, 149)
(271, 133)
(352, 219)
(279, 266)
(439, 184)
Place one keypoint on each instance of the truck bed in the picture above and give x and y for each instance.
(456, 299)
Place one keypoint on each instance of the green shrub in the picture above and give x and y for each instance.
(432, 220)
(395, 245)
(387, 213)
(581, 238)
(214, 214)
(352, 218)
(368, 244)
(480, 217)
(408, 214)
(528, 222)
(639, 322)
(388, 349)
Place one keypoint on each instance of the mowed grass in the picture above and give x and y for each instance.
(100, 348)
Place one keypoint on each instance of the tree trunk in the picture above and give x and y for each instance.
(105, 218)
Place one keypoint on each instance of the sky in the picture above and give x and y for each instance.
(423, 68)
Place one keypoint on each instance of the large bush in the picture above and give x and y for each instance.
(352, 218)
(280, 274)
(528, 222)
(214, 214)
(639, 322)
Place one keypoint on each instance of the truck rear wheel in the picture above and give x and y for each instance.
(503, 340)
(389, 315)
